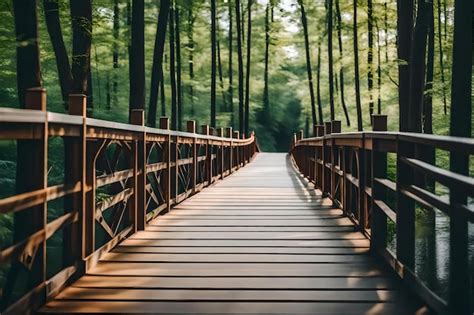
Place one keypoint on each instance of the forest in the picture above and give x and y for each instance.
(269, 66)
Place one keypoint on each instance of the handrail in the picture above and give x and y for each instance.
(117, 177)
(351, 169)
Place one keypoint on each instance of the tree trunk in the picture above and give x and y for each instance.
(137, 58)
(360, 125)
(330, 58)
(404, 34)
(460, 126)
(417, 67)
(266, 94)
(379, 72)
(370, 57)
(213, 62)
(174, 105)
(249, 53)
(179, 90)
(81, 15)
(231, 66)
(240, 65)
(441, 59)
(157, 67)
(221, 77)
(53, 23)
(385, 22)
(191, 20)
(341, 69)
(162, 94)
(428, 92)
(318, 87)
(115, 54)
(304, 22)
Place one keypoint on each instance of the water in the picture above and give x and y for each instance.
(432, 251)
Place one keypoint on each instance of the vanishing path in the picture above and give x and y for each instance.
(256, 242)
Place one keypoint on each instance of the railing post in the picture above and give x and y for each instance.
(229, 134)
(335, 128)
(237, 151)
(326, 151)
(191, 128)
(137, 117)
(379, 170)
(32, 175)
(405, 208)
(220, 133)
(205, 130)
(165, 125)
(75, 172)
(319, 156)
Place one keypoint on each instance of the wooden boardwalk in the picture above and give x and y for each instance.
(257, 242)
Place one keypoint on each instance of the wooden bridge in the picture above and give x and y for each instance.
(159, 221)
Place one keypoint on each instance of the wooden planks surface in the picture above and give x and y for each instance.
(257, 242)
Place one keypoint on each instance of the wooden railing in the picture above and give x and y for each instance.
(116, 178)
(351, 169)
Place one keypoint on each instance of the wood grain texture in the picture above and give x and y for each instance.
(258, 242)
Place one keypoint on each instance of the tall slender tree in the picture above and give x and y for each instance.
(370, 56)
(240, 61)
(318, 86)
(172, 50)
(81, 16)
(266, 93)
(115, 53)
(330, 58)
(418, 66)
(309, 70)
(157, 67)
(179, 90)
(360, 125)
(231, 63)
(221, 76)
(137, 56)
(404, 37)
(191, 20)
(53, 24)
(460, 126)
(379, 71)
(213, 61)
(341, 67)
(249, 66)
(441, 58)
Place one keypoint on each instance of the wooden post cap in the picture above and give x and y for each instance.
(137, 117)
(300, 135)
(336, 126)
(164, 123)
(191, 126)
(228, 132)
(78, 105)
(320, 131)
(327, 128)
(205, 130)
(379, 123)
(35, 98)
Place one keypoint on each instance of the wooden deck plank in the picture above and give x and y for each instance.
(258, 242)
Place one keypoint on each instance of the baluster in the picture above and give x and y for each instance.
(205, 130)
(137, 117)
(405, 208)
(229, 134)
(165, 125)
(379, 170)
(191, 128)
(459, 282)
(237, 151)
(75, 172)
(32, 175)
(220, 133)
